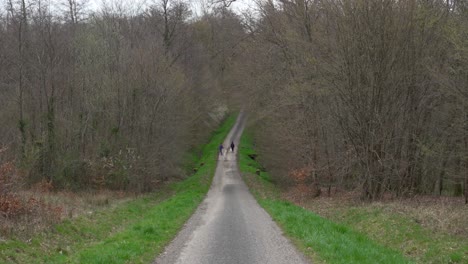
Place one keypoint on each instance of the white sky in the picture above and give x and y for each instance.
(238, 6)
(135, 6)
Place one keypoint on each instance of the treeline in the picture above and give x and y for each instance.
(359, 94)
(108, 99)
(362, 94)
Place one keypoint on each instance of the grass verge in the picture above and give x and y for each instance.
(318, 238)
(426, 229)
(132, 232)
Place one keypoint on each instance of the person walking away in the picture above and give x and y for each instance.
(221, 147)
(232, 146)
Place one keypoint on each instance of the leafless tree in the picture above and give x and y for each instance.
(358, 92)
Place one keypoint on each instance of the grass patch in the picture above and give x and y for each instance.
(133, 232)
(386, 224)
(320, 239)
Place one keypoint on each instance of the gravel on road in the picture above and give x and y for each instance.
(229, 226)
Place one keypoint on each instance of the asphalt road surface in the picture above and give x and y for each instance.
(229, 226)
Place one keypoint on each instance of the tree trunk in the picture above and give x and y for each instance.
(21, 47)
(466, 185)
(466, 162)
(51, 145)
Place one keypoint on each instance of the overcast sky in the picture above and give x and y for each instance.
(238, 5)
(136, 5)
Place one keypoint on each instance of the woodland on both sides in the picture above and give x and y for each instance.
(367, 95)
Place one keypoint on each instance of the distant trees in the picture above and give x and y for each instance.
(454, 80)
(102, 100)
(362, 93)
(367, 95)
(386, 93)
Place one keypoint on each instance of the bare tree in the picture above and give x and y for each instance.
(356, 92)
(19, 18)
(224, 3)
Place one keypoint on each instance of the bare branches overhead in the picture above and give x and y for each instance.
(225, 3)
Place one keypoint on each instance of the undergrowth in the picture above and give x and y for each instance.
(132, 232)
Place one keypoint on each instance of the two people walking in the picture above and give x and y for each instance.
(221, 148)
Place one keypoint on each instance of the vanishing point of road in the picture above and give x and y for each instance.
(229, 227)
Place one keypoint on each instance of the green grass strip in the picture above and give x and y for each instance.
(402, 232)
(317, 237)
(135, 232)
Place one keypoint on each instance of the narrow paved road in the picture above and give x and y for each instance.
(229, 226)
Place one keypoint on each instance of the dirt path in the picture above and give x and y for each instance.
(229, 226)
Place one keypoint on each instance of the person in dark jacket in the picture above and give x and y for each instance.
(221, 147)
(232, 146)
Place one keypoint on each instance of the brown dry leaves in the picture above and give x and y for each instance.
(304, 186)
(25, 212)
(440, 214)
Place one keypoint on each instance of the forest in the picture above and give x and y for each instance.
(367, 95)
